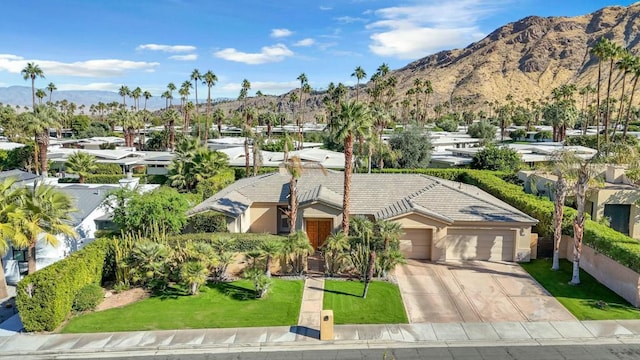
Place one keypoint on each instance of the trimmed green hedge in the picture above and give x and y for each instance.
(603, 239)
(243, 242)
(45, 298)
(240, 171)
(206, 222)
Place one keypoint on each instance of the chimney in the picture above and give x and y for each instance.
(615, 174)
(129, 182)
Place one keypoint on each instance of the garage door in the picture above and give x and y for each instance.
(416, 244)
(472, 244)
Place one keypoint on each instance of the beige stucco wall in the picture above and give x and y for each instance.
(319, 211)
(264, 218)
(522, 246)
(619, 278)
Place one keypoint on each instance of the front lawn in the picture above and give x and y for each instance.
(588, 301)
(383, 304)
(217, 306)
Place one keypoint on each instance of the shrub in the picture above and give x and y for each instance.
(206, 222)
(45, 298)
(496, 158)
(108, 169)
(242, 242)
(240, 171)
(88, 298)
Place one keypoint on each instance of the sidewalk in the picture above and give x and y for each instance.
(283, 338)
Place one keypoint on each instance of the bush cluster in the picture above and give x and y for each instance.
(46, 297)
(88, 298)
(242, 242)
(206, 222)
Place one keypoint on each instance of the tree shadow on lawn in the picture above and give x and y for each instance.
(170, 292)
(233, 291)
(335, 292)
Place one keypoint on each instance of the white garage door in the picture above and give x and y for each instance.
(416, 244)
(473, 244)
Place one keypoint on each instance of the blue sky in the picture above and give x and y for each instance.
(103, 44)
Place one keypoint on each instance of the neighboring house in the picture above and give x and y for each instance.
(616, 199)
(24, 178)
(325, 158)
(90, 214)
(442, 220)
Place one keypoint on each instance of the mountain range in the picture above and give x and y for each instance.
(523, 60)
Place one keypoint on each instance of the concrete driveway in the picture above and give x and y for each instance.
(474, 291)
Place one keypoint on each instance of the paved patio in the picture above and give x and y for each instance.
(474, 291)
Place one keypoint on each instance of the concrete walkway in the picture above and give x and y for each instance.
(284, 338)
(310, 308)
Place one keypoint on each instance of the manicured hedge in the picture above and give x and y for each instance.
(603, 239)
(243, 242)
(206, 222)
(240, 171)
(45, 298)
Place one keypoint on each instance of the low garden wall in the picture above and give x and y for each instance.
(619, 278)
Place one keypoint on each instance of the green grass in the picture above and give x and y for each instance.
(383, 304)
(581, 300)
(217, 306)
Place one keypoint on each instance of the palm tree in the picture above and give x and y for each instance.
(51, 88)
(43, 213)
(359, 74)
(135, 95)
(40, 94)
(218, 116)
(584, 173)
(32, 71)
(195, 76)
(171, 87)
(124, 92)
(614, 52)
(81, 163)
(167, 97)
(9, 193)
(350, 123)
(600, 51)
(38, 123)
(635, 69)
(146, 95)
(303, 81)
(170, 117)
(625, 65)
(185, 92)
(562, 164)
(210, 80)
(270, 249)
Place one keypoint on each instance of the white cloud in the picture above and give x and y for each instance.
(280, 33)
(89, 68)
(266, 87)
(350, 19)
(166, 48)
(267, 54)
(305, 42)
(325, 8)
(188, 57)
(409, 32)
(107, 86)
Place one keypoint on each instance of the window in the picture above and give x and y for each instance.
(20, 255)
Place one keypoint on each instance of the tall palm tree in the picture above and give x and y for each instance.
(359, 74)
(196, 77)
(351, 122)
(170, 117)
(599, 51)
(146, 95)
(614, 52)
(9, 193)
(43, 213)
(32, 71)
(167, 97)
(38, 124)
(185, 91)
(51, 88)
(218, 116)
(135, 95)
(303, 81)
(635, 69)
(171, 87)
(210, 80)
(124, 92)
(625, 65)
(81, 163)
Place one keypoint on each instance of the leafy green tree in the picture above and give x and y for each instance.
(80, 123)
(38, 124)
(482, 130)
(81, 163)
(447, 123)
(193, 164)
(497, 159)
(194, 273)
(518, 134)
(43, 212)
(413, 148)
(163, 208)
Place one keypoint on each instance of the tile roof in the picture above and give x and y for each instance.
(380, 195)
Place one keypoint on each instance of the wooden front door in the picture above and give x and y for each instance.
(317, 231)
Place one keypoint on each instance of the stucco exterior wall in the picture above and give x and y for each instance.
(439, 232)
(319, 211)
(264, 218)
(601, 197)
(619, 278)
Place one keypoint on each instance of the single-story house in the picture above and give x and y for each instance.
(442, 220)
